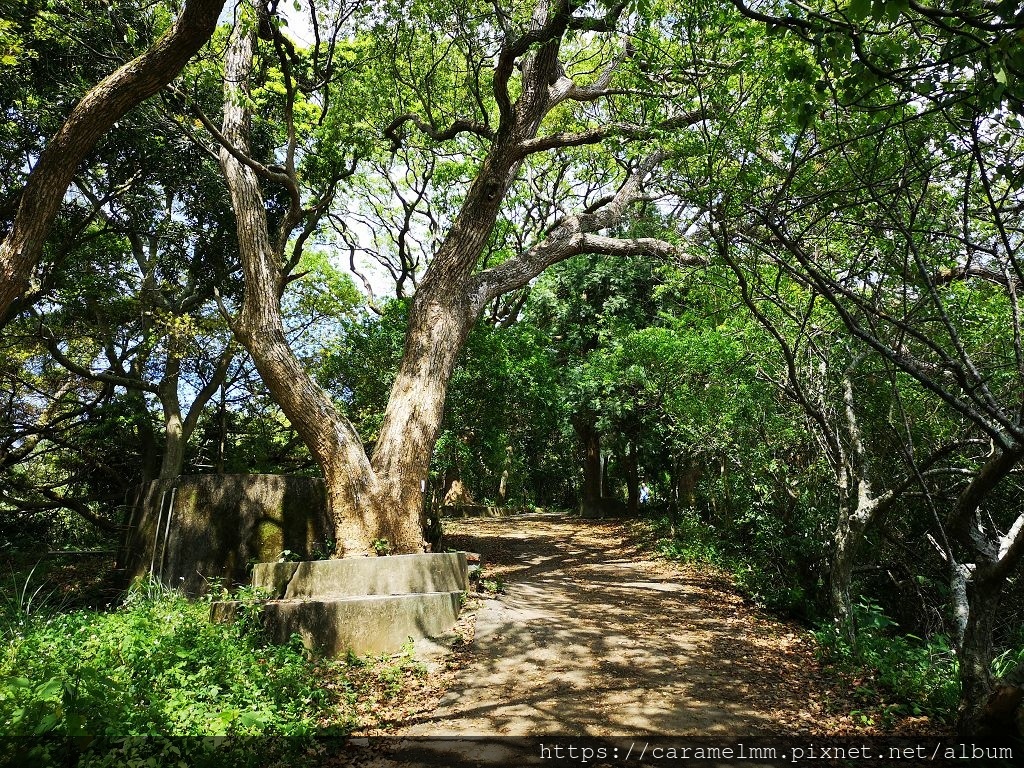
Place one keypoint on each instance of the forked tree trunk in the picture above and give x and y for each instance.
(382, 497)
(178, 426)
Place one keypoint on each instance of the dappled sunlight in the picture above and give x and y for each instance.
(590, 638)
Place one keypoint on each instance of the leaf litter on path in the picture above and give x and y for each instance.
(595, 636)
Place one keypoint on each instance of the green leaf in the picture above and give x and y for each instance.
(859, 9)
(51, 689)
(47, 724)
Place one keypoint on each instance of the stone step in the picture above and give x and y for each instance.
(391, 575)
(335, 626)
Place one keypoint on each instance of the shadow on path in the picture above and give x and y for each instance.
(591, 639)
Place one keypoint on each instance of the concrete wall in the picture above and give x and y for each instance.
(394, 575)
(360, 625)
(194, 528)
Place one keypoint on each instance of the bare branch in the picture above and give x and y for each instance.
(456, 128)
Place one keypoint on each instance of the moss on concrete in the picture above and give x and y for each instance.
(219, 524)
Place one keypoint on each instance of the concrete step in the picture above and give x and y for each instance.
(335, 626)
(391, 575)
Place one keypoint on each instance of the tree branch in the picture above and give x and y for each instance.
(456, 128)
(92, 117)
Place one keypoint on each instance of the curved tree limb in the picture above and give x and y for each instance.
(453, 130)
(92, 117)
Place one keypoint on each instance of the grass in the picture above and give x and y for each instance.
(147, 683)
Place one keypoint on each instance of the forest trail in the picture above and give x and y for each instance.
(594, 637)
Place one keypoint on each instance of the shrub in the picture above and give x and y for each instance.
(769, 567)
(124, 686)
(920, 673)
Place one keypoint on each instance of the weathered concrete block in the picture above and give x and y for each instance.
(192, 529)
(361, 625)
(392, 575)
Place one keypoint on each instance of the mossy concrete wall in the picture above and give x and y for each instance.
(194, 529)
(335, 626)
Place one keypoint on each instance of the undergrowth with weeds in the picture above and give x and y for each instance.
(762, 568)
(893, 674)
(153, 683)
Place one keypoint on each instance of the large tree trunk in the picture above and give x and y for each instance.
(354, 497)
(175, 437)
(975, 652)
(438, 327)
(590, 499)
(92, 117)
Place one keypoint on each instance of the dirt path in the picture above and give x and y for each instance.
(594, 638)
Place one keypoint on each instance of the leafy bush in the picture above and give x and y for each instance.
(694, 541)
(112, 688)
(920, 673)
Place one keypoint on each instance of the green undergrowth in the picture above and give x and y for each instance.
(892, 674)
(153, 682)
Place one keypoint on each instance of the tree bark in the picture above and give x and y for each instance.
(178, 427)
(632, 480)
(353, 495)
(590, 498)
(977, 586)
(850, 529)
(975, 652)
(92, 117)
(505, 476)
(381, 497)
(438, 327)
